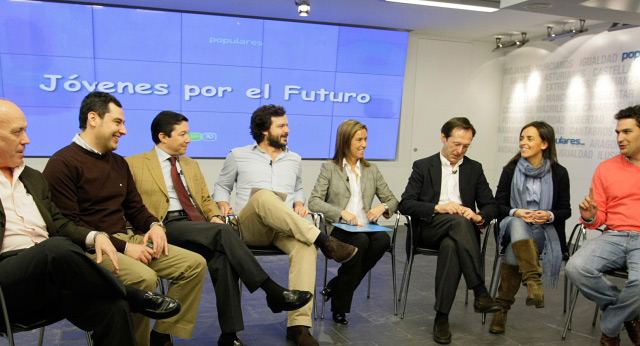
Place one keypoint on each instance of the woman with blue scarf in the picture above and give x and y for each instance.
(533, 194)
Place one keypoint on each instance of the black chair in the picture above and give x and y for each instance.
(392, 251)
(9, 328)
(272, 250)
(417, 250)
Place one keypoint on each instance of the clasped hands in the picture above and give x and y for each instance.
(455, 208)
(372, 215)
(533, 216)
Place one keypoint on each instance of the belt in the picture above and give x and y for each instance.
(177, 213)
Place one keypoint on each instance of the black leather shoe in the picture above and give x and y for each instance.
(486, 305)
(230, 342)
(326, 293)
(155, 306)
(291, 300)
(441, 332)
(340, 318)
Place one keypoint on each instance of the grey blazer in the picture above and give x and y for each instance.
(332, 192)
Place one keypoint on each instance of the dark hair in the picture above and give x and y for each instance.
(261, 120)
(346, 131)
(457, 123)
(97, 102)
(547, 134)
(632, 112)
(164, 122)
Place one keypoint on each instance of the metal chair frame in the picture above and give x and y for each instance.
(392, 251)
(272, 250)
(417, 250)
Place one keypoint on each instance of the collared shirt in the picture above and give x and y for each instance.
(165, 164)
(24, 225)
(355, 205)
(79, 141)
(250, 167)
(449, 185)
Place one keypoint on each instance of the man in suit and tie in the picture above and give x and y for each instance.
(441, 198)
(174, 190)
(44, 272)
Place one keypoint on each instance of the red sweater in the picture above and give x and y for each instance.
(616, 190)
(96, 192)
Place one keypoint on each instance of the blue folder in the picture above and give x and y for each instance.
(368, 227)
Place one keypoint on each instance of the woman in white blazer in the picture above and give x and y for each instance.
(344, 193)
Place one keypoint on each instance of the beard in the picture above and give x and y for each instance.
(275, 141)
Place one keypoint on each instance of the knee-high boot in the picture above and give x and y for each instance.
(526, 253)
(510, 279)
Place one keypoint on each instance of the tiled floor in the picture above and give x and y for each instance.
(372, 321)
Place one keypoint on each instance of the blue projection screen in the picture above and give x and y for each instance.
(215, 70)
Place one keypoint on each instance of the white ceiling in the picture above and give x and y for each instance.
(455, 24)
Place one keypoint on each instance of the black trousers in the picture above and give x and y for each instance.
(371, 247)
(228, 259)
(458, 243)
(54, 280)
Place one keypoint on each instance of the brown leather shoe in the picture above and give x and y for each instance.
(498, 322)
(301, 336)
(609, 341)
(633, 330)
(338, 251)
(441, 332)
(486, 305)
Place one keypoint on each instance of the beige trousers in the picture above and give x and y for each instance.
(266, 220)
(186, 271)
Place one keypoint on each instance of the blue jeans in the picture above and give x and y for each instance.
(611, 250)
(518, 229)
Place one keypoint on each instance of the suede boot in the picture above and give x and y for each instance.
(526, 253)
(510, 279)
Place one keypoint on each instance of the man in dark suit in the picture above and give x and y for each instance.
(156, 176)
(44, 272)
(441, 198)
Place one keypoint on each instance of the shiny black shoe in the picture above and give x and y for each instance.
(228, 342)
(155, 306)
(326, 293)
(340, 318)
(291, 300)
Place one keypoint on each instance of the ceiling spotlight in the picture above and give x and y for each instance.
(565, 32)
(511, 42)
(303, 7)
(621, 26)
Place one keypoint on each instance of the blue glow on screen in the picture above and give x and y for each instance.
(215, 70)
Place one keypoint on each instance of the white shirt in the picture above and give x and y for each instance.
(355, 205)
(165, 164)
(449, 185)
(24, 226)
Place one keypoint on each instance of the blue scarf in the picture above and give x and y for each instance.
(551, 256)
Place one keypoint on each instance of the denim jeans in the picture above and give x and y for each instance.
(611, 250)
(518, 229)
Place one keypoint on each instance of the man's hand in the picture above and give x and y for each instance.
(139, 252)
(541, 217)
(225, 208)
(300, 209)
(104, 246)
(374, 214)
(215, 219)
(348, 217)
(159, 239)
(448, 208)
(470, 215)
(525, 214)
(588, 207)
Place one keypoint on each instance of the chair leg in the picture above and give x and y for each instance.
(493, 286)
(324, 284)
(408, 267)
(566, 288)
(393, 273)
(369, 286)
(41, 338)
(595, 316)
(89, 340)
(404, 273)
(567, 325)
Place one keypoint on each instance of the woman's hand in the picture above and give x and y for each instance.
(525, 214)
(349, 218)
(374, 214)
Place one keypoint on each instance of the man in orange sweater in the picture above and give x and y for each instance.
(614, 201)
